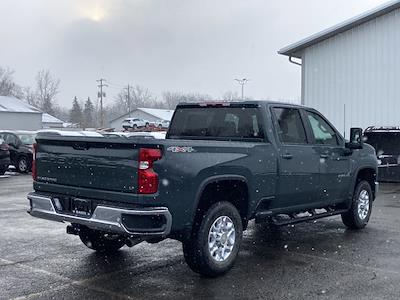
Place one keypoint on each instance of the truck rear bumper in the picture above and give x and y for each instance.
(151, 222)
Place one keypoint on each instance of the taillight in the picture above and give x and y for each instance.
(34, 171)
(147, 178)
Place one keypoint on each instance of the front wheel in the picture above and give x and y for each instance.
(101, 241)
(360, 212)
(214, 244)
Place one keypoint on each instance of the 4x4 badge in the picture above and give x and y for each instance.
(177, 149)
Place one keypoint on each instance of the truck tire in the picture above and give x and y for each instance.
(214, 243)
(361, 207)
(99, 241)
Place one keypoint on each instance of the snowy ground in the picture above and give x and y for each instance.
(320, 260)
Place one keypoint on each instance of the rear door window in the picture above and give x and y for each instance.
(290, 126)
(220, 123)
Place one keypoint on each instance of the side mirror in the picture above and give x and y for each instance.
(356, 139)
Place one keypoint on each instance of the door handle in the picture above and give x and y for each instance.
(324, 156)
(287, 156)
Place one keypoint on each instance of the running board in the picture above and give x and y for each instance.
(294, 218)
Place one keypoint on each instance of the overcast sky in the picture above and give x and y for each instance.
(164, 45)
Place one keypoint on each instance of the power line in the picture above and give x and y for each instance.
(115, 85)
(101, 94)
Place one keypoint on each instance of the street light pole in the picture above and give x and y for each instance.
(128, 88)
(242, 82)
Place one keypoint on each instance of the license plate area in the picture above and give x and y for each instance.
(81, 207)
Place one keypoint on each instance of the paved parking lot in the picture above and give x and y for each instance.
(317, 260)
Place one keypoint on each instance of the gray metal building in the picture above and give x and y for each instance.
(351, 72)
(18, 115)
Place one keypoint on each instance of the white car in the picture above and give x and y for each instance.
(161, 124)
(134, 123)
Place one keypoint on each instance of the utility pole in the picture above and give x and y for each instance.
(128, 100)
(242, 82)
(101, 94)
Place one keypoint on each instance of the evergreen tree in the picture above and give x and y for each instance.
(75, 115)
(88, 114)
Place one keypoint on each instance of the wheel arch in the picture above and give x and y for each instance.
(368, 174)
(202, 201)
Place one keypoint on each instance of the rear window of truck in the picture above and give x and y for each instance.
(217, 123)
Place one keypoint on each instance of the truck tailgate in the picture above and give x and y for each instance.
(98, 163)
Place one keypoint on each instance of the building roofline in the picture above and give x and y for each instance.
(139, 108)
(21, 112)
(296, 48)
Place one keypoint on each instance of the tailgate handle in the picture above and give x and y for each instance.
(287, 156)
(80, 146)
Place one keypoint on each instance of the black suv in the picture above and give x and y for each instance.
(20, 147)
(386, 141)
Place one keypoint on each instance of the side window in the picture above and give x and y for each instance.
(291, 128)
(11, 139)
(322, 131)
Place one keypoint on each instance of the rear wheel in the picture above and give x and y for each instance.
(360, 212)
(22, 165)
(214, 244)
(134, 127)
(101, 241)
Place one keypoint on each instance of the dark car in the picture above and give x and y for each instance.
(20, 147)
(4, 157)
(220, 166)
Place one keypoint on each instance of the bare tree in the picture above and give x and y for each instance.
(137, 96)
(30, 96)
(47, 88)
(141, 97)
(172, 99)
(231, 96)
(7, 85)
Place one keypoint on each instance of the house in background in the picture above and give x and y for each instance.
(16, 114)
(48, 121)
(351, 72)
(149, 114)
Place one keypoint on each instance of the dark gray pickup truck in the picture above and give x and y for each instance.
(220, 166)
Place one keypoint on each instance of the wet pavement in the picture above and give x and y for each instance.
(316, 260)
